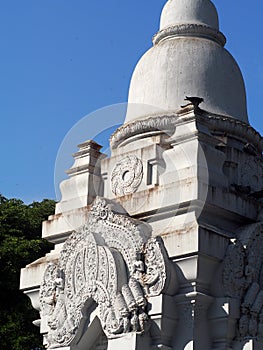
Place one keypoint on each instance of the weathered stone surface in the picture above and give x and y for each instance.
(188, 58)
(171, 258)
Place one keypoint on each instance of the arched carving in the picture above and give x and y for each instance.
(112, 260)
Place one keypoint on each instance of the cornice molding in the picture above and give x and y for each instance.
(196, 30)
(167, 123)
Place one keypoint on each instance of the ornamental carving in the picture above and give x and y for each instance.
(251, 173)
(49, 294)
(112, 261)
(127, 175)
(243, 279)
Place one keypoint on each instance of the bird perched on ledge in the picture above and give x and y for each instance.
(193, 101)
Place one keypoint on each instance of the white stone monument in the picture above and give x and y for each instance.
(160, 245)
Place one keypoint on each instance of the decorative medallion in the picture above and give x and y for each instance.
(111, 262)
(126, 176)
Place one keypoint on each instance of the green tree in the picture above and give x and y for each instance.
(20, 244)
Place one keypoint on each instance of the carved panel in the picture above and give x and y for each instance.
(48, 293)
(111, 260)
(242, 279)
(234, 270)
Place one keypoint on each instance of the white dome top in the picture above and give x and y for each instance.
(189, 11)
(188, 59)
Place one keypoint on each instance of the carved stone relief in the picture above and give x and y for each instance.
(242, 279)
(111, 260)
(48, 295)
(127, 175)
(251, 173)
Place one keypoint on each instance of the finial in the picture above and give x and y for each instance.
(189, 18)
(176, 12)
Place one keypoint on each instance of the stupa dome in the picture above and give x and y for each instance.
(188, 58)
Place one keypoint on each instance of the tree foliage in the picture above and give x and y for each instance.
(20, 244)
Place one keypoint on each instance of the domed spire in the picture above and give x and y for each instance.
(176, 12)
(188, 59)
(189, 17)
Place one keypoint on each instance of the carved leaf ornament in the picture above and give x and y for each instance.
(112, 260)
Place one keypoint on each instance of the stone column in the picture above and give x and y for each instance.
(223, 316)
(192, 310)
(164, 319)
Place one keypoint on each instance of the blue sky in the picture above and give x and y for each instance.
(63, 59)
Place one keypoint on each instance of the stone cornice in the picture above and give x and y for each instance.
(234, 127)
(141, 126)
(196, 30)
(168, 122)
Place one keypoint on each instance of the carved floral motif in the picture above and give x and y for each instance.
(111, 260)
(126, 176)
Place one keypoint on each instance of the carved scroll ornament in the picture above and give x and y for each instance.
(111, 260)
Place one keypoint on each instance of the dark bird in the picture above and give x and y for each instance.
(194, 101)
